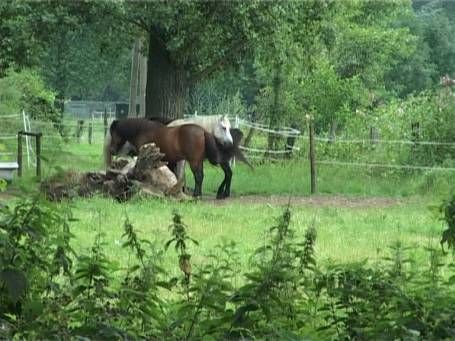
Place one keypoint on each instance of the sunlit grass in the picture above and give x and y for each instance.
(344, 234)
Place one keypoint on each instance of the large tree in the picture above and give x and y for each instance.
(188, 41)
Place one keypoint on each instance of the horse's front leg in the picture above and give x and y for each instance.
(198, 173)
(224, 190)
(220, 191)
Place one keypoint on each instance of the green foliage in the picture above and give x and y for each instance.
(70, 73)
(35, 261)
(367, 45)
(180, 238)
(26, 91)
(211, 98)
(17, 44)
(284, 294)
(448, 211)
(3, 185)
(332, 97)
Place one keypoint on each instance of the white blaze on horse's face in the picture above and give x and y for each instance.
(222, 131)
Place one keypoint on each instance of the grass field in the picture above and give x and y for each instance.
(345, 234)
(347, 231)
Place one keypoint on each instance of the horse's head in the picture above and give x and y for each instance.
(116, 141)
(222, 131)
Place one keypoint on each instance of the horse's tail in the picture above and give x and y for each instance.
(237, 137)
(241, 157)
(211, 149)
(106, 149)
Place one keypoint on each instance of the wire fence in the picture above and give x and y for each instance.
(76, 131)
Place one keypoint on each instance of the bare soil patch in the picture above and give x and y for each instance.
(313, 201)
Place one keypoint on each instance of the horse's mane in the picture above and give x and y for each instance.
(163, 120)
(207, 122)
(130, 127)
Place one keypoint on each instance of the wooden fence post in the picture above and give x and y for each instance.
(38, 155)
(312, 157)
(19, 154)
(105, 121)
(415, 131)
(374, 135)
(90, 131)
(80, 125)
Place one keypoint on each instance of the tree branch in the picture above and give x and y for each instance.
(208, 19)
(141, 24)
(207, 71)
(154, 32)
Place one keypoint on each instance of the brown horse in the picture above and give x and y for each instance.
(187, 142)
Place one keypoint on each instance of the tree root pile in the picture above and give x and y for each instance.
(147, 175)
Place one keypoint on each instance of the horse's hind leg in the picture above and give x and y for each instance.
(179, 172)
(224, 190)
(180, 169)
(198, 173)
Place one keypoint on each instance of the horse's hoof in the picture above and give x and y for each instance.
(221, 196)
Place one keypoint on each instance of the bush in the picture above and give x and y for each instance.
(46, 291)
(26, 91)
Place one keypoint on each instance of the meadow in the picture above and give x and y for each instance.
(344, 234)
(358, 212)
(377, 227)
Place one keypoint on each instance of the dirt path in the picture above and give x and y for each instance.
(314, 201)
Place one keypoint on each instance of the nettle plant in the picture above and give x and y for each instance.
(448, 211)
(35, 263)
(48, 291)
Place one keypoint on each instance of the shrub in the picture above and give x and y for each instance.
(46, 291)
(26, 91)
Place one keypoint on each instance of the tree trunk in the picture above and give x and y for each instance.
(143, 83)
(166, 83)
(276, 107)
(133, 79)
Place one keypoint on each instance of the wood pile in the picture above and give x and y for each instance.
(145, 175)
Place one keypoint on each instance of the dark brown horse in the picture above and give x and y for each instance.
(227, 153)
(187, 142)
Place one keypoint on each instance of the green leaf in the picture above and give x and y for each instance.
(15, 281)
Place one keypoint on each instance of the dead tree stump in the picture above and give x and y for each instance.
(146, 175)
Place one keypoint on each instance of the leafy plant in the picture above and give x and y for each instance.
(35, 253)
(448, 211)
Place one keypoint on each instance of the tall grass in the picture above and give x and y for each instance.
(344, 234)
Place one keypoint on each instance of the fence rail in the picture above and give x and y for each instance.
(86, 132)
(379, 165)
(378, 141)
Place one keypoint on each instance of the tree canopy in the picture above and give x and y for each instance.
(334, 56)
